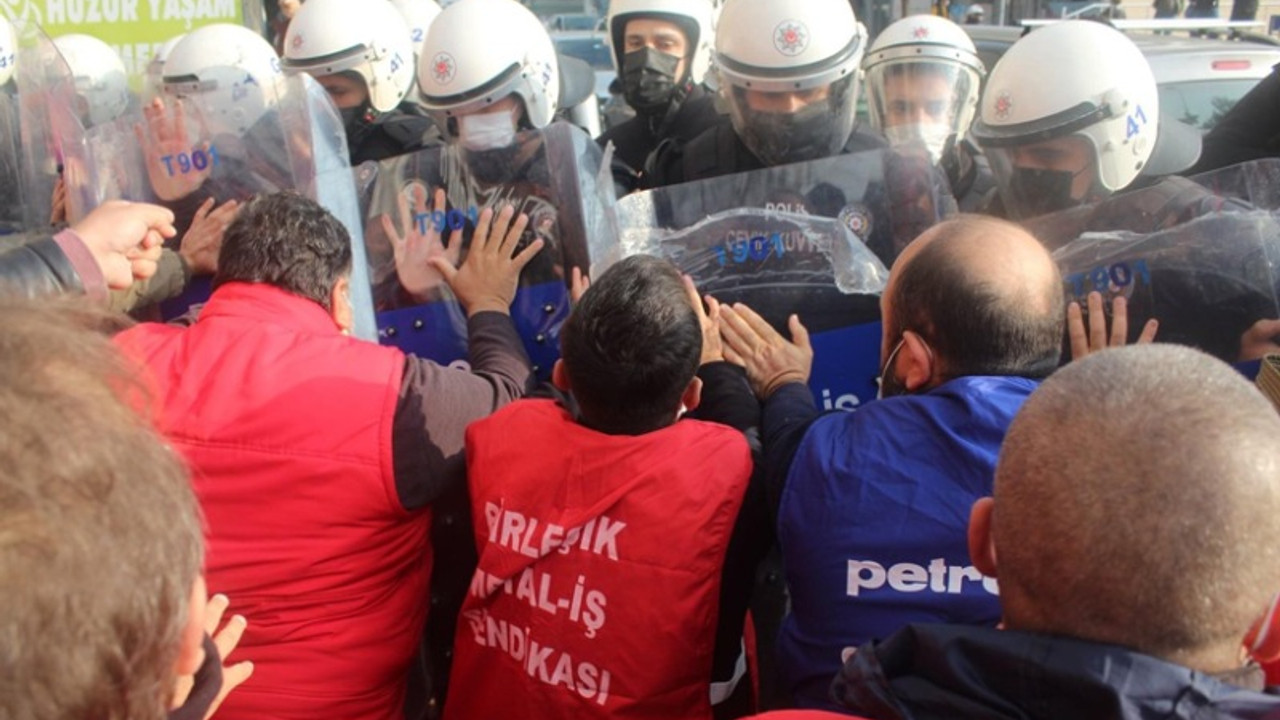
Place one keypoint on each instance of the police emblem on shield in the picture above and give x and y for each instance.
(1004, 105)
(443, 68)
(857, 218)
(791, 37)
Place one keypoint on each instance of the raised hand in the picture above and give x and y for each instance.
(488, 278)
(416, 242)
(771, 360)
(1088, 341)
(203, 241)
(226, 639)
(125, 239)
(709, 319)
(176, 165)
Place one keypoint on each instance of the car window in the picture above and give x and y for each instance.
(1202, 103)
(592, 51)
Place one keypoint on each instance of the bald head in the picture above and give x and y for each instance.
(1137, 499)
(983, 293)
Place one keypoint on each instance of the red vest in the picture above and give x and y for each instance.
(598, 585)
(286, 425)
(801, 715)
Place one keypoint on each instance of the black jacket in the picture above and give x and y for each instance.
(393, 133)
(719, 151)
(635, 139)
(958, 672)
(1247, 132)
(38, 268)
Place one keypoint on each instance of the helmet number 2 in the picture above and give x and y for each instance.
(1136, 122)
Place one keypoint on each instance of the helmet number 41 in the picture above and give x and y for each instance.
(1136, 122)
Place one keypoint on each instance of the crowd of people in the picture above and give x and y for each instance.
(1047, 512)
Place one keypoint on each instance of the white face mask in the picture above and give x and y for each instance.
(932, 137)
(489, 131)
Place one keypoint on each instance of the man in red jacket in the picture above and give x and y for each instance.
(315, 456)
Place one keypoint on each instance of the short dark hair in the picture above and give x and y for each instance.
(631, 346)
(1133, 495)
(978, 326)
(102, 541)
(288, 241)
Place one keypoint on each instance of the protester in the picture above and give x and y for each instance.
(653, 499)
(100, 561)
(1124, 529)
(316, 456)
(871, 504)
(116, 244)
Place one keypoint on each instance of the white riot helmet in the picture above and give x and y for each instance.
(648, 75)
(1069, 93)
(102, 85)
(481, 51)
(155, 67)
(789, 72)
(228, 72)
(371, 39)
(923, 78)
(8, 50)
(418, 15)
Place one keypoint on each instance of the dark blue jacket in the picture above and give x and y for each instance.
(873, 522)
(925, 672)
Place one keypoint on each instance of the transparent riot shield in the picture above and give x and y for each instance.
(812, 239)
(553, 175)
(12, 192)
(1166, 203)
(1256, 183)
(41, 91)
(1207, 281)
(231, 143)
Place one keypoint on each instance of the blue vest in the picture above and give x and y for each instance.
(874, 517)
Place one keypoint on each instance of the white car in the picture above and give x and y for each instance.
(1200, 79)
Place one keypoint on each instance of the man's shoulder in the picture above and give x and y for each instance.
(146, 334)
(890, 414)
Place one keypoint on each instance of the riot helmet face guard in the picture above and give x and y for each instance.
(1043, 177)
(921, 103)
(790, 126)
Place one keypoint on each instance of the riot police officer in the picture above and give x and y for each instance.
(1093, 131)
(362, 53)
(788, 71)
(923, 78)
(662, 51)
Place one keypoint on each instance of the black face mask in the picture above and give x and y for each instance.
(782, 138)
(1038, 192)
(649, 80)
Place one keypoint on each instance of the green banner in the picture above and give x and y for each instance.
(135, 28)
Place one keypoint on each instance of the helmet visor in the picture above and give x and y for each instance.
(924, 102)
(789, 127)
(1048, 176)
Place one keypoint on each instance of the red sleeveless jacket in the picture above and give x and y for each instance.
(286, 425)
(598, 585)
